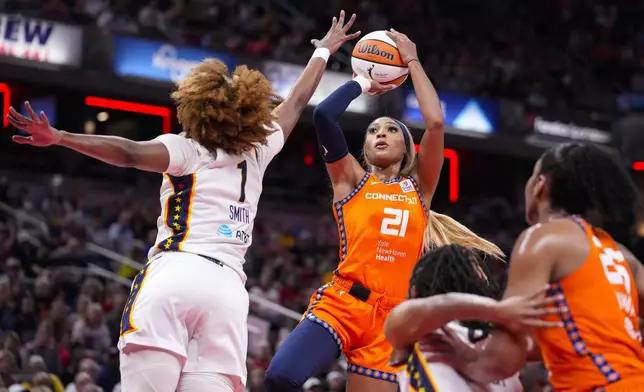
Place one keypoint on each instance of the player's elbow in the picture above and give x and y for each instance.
(396, 329)
(131, 156)
(435, 124)
(321, 117)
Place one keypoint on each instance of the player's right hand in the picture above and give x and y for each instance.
(379, 89)
(521, 312)
(337, 34)
(41, 133)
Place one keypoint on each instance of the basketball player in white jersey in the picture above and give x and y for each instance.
(440, 289)
(184, 325)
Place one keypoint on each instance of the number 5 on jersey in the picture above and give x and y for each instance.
(395, 222)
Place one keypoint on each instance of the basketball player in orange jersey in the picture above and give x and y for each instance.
(600, 282)
(384, 225)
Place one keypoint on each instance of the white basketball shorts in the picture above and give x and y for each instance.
(192, 307)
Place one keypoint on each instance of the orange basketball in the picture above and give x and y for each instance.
(376, 57)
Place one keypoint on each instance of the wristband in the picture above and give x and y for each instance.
(365, 84)
(322, 53)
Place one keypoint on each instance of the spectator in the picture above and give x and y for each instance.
(8, 368)
(40, 376)
(91, 331)
(43, 347)
(82, 382)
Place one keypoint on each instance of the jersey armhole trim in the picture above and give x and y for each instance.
(420, 196)
(338, 204)
(339, 214)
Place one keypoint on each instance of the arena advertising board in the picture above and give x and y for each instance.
(159, 60)
(461, 112)
(40, 40)
(557, 129)
(282, 76)
(628, 102)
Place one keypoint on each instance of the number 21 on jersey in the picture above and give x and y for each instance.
(395, 222)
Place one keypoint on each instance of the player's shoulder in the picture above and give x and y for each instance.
(182, 141)
(551, 235)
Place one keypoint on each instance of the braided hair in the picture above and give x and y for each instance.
(586, 179)
(455, 269)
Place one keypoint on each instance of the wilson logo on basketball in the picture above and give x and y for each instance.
(373, 50)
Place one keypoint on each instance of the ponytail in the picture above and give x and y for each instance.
(443, 230)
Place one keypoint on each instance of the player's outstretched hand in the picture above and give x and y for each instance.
(406, 47)
(337, 34)
(521, 312)
(41, 133)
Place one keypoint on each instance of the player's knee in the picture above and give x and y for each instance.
(212, 382)
(280, 377)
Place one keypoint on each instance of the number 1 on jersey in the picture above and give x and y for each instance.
(243, 166)
(395, 223)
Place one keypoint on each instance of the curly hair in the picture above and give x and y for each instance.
(586, 178)
(224, 111)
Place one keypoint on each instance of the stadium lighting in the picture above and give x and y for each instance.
(6, 102)
(452, 157)
(133, 107)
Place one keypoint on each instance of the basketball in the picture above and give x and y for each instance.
(376, 57)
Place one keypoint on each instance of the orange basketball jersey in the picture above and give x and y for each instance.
(381, 227)
(600, 346)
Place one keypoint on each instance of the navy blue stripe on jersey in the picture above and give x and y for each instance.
(419, 377)
(178, 211)
(577, 341)
(127, 325)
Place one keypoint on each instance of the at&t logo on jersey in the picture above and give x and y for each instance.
(225, 231)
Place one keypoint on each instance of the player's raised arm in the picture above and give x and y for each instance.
(288, 112)
(430, 156)
(150, 155)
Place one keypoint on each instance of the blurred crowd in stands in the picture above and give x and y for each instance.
(59, 326)
(555, 54)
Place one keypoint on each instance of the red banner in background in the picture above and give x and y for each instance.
(452, 158)
(6, 102)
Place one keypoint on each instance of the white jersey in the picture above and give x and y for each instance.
(209, 201)
(417, 373)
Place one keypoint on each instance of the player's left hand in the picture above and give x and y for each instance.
(337, 34)
(406, 47)
(519, 313)
(41, 133)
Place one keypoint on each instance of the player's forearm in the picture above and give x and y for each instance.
(307, 83)
(428, 100)
(289, 111)
(414, 319)
(114, 150)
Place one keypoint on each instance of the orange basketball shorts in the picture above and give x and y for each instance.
(356, 326)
